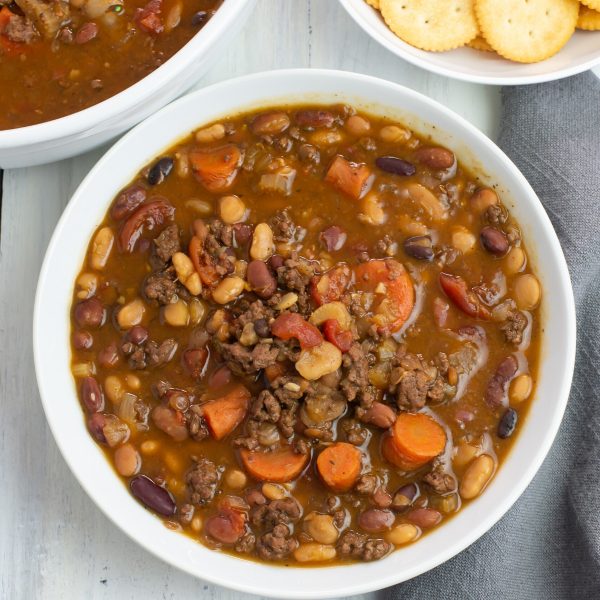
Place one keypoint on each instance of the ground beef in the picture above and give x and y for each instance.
(276, 544)
(440, 481)
(276, 512)
(295, 275)
(48, 17)
(196, 424)
(415, 381)
(356, 545)
(355, 383)
(255, 312)
(514, 327)
(355, 433)
(20, 29)
(161, 286)
(386, 247)
(243, 360)
(150, 354)
(221, 232)
(366, 484)
(167, 243)
(496, 214)
(202, 480)
(284, 229)
(246, 543)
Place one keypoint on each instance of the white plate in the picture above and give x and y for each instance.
(581, 53)
(120, 164)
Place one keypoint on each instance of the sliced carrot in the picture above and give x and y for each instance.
(339, 466)
(223, 415)
(415, 439)
(394, 303)
(279, 466)
(353, 179)
(216, 168)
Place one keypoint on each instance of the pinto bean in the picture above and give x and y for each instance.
(482, 199)
(127, 460)
(160, 170)
(170, 421)
(375, 520)
(90, 313)
(91, 395)
(127, 202)
(424, 517)
(436, 158)
(270, 123)
(314, 119)
(494, 241)
(260, 279)
(152, 495)
(380, 415)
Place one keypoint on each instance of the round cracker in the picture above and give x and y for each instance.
(589, 19)
(431, 24)
(480, 43)
(373, 3)
(593, 4)
(529, 31)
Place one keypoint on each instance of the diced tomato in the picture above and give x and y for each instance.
(353, 179)
(341, 338)
(393, 304)
(292, 325)
(331, 285)
(149, 17)
(455, 287)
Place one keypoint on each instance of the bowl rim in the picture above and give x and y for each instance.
(263, 587)
(398, 50)
(88, 119)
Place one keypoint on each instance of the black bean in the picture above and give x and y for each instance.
(494, 241)
(199, 18)
(262, 328)
(394, 165)
(160, 170)
(419, 247)
(153, 496)
(507, 423)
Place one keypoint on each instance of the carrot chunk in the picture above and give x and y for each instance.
(216, 168)
(353, 179)
(339, 466)
(223, 415)
(394, 292)
(415, 439)
(279, 466)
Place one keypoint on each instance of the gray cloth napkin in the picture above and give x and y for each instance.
(548, 545)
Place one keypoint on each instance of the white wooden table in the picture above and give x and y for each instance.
(54, 542)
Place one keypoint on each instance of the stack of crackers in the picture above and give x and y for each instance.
(524, 31)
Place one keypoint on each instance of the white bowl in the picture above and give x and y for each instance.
(81, 131)
(581, 53)
(87, 209)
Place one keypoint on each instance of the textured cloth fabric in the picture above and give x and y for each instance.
(548, 544)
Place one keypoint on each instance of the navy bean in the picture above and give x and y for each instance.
(419, 247)
(152, 495)
(397, 166)
(508, 423)
(160, 170)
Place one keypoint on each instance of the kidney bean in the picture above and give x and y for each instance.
(152, 495)
(270, 123)
(380, 415)
(508, 423)
(381, 498)
(419, 247)
(242, 234)
(227, 526)
(148, 216)
(313, 119)
(494, 241)
(195, 361)
(262, 328)
(375, 520)
(276, 261)
(96, 425)
(86, 33)
(405, 496)
(109, 356)
(436, 158)
(260, 279)
(397, 166)
(495, 392)
(220, 377)
(90, 313)
(83, 340)
(137, 335)
(127, 201)
(424, 517)
(333, 238)
(160, 170)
